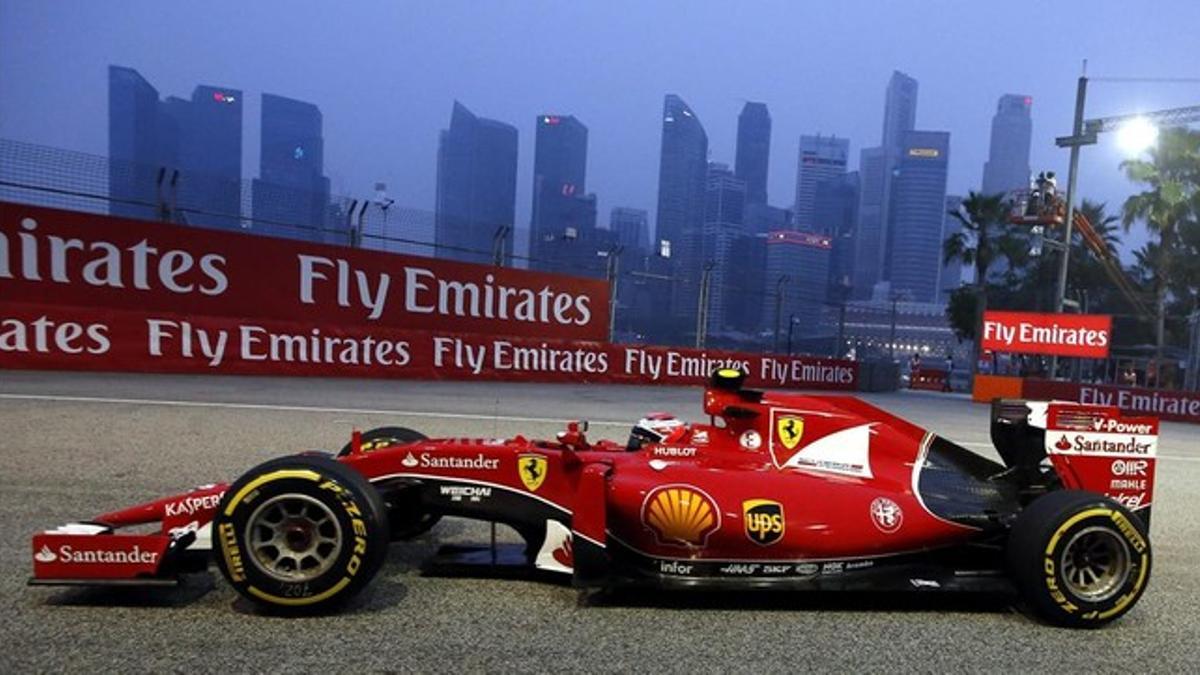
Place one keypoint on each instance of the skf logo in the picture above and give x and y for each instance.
(680, 515)
(532, 469)
(764, 521)
(790, 429)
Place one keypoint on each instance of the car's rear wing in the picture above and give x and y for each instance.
(1090, 447)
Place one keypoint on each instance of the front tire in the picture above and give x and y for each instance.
(300, 534)
(1079, 559)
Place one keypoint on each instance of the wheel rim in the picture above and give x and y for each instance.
(1095, 564)
(293, 538)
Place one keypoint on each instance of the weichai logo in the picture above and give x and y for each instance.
(763, 519)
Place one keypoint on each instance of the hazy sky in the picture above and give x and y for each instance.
(386, 73)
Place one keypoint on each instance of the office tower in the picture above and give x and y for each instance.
(952, 271)
(821, 158)
(724, 206)
(682, 174)
(801, 260)
(209, 155)
(917, 213)
(632, 228)
(476, 188)
(745, 313)
(868, 240)
(149, 140)
(835, 212)
(763, 218)
(1007, 166)
(753, 150)
(899, 110)
(291, 194)
(135, 153)
(559, 175)
(877, 169)
(577, 247)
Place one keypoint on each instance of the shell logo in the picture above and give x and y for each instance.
(680, 515)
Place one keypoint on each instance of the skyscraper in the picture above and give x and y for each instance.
(914, 243)
(682, 175)
(753, 150)
(868, 241)
(836, 213)
(877, 168)
(559, 174)
(803, 258)
(476, 187)
(1007, 166)
(201, 137)
(210, 155)
(135, 148)
(821, 158)
(724, 206)
(631, 226)
(899, 110)
(291, 195)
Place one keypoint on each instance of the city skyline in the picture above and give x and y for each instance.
(383, 108)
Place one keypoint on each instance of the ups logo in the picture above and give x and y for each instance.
(764, 521)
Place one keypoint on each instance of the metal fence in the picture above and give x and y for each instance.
(656, 302)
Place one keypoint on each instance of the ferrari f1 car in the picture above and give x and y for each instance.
(774, 491)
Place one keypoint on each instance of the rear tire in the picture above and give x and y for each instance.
(300, 534)
(1079, 559)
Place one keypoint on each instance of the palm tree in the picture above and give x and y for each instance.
(1103, 224)
(984, 238)
(1171, 177)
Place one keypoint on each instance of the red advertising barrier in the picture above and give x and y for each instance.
(36, 336)
(1179, 406)
(928, 379)
(1085, 335)
(65, 258)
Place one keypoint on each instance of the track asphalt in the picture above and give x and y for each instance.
(74, 445)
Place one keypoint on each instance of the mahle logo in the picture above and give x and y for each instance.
(764, 521)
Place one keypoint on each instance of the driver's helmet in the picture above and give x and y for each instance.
(655, 428)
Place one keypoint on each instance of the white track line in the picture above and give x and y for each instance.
(365, 411)
(291, 408)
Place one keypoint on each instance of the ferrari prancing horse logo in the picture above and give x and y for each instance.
(790, 429)
(532, 469)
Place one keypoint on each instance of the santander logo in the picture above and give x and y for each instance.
(45, 555)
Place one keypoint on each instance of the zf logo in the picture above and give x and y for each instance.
(764, 521)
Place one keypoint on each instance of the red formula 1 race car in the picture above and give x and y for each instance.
(775, 491)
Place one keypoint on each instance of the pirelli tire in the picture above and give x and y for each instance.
(381, 437)
(301, 534)
(1079, 559)
(406, 515)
